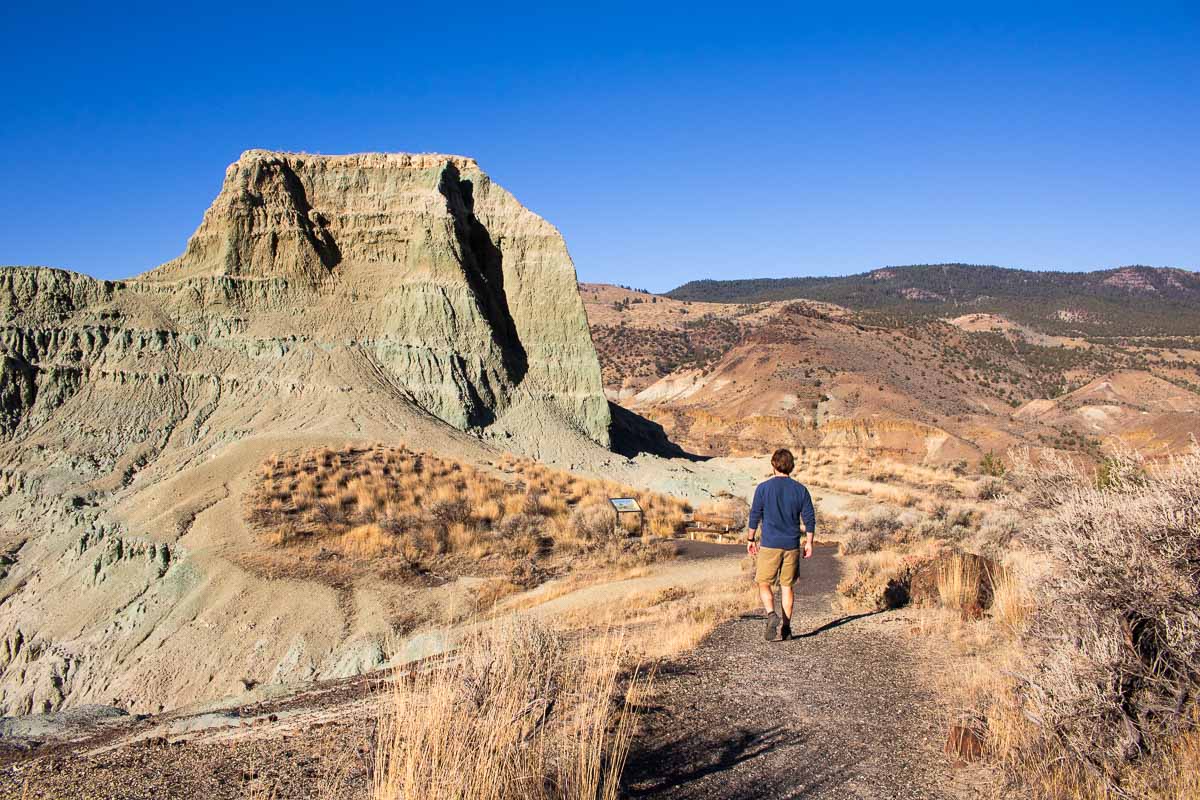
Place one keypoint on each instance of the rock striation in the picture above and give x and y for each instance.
(465, 300)
(321, 299)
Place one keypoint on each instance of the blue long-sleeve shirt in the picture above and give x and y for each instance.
(779, 505)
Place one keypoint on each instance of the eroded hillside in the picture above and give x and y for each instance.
(372, 298)
(741, 378)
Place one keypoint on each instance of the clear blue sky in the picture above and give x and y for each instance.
(667, 142)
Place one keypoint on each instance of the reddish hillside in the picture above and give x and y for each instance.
(725, 378)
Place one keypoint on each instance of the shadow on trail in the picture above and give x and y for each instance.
(832, 715)
(837, 623)
(682, 767)
(691, 758)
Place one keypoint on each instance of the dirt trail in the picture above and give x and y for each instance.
(844, 710)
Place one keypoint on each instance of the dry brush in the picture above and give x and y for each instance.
(401, 512)
(1113, 647)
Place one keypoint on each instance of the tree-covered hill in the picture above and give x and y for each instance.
(1126, 301)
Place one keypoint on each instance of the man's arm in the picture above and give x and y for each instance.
(756, 513)
(809, 515)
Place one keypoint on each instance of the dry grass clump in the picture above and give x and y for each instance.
(903, 498)
(883, 473)
(1107, 701)
(989, 488)
(1171, 772)
(1011, 601)
(959, 581)
(516, 714)
(415, 513)
(659, 623)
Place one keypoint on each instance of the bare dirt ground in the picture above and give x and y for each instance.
(294, 748)
(846, 709)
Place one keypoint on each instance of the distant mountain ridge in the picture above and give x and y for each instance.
(1123, 301)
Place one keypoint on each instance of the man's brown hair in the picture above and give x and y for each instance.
(783, 461)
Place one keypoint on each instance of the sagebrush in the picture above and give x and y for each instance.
(1114, 643)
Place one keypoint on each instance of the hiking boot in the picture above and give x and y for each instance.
(785, 631)
(772, 627)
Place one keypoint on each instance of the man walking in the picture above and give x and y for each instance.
(780, 503)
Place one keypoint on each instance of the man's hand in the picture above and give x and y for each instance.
(751, 546)
(808, 548)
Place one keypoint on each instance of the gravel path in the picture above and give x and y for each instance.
(845, 710)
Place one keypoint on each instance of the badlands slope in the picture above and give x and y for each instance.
(726, 378)
(322, 301)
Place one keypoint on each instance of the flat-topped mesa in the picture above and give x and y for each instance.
(466, 300)
(300, 216)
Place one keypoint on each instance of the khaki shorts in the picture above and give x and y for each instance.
(776, 565)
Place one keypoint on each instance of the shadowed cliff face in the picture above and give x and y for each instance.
(18, 390)
(483, 268)
(398, 298)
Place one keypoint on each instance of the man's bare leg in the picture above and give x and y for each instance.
(767, 596)
(774, 625)
(786, 598)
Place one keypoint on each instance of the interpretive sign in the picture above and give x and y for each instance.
(628, 505)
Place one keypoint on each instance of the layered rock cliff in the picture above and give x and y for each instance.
(465, 300)
(322, 299)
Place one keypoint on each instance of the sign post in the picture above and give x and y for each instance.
(628, 505)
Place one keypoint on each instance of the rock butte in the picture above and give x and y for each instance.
(323, 299)
(417, 266)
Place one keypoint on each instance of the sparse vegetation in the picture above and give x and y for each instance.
(408, 513)
(1082, 665)
(1110, 714)
(992, 465)
(629, 351)
(519, 713)
(1011, 601)
(870, 533)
